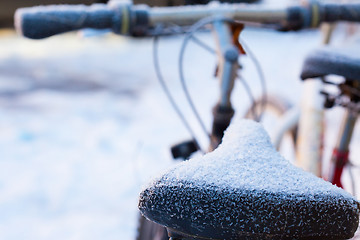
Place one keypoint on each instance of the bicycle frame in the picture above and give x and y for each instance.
(340, 155)
(311, 120)
(310, 117)
(311, 128)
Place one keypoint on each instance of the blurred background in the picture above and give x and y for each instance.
(84, 122)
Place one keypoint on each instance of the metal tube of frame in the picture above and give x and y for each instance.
(228, 61)
(310, 131)
(340, 156)
(185, 15)
(346, 131)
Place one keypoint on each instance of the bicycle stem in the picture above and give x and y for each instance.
(228, 57)
(227, 70)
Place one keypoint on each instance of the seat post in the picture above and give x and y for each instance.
(340, 155)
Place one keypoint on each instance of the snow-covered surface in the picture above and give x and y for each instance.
(246, 159)
(84, 123)
(246, 180)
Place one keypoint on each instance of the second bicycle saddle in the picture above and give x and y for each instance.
(343, 61)
(246, 190)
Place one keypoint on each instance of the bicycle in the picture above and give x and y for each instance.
(309, 150)
(134, 21)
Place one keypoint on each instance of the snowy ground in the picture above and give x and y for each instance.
(84, 123)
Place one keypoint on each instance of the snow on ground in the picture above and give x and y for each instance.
(84, 123)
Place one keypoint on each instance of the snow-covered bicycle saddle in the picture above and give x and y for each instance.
(343, 61)
(246, 190)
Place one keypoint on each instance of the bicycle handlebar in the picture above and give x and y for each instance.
(336, 12)
(45, 21)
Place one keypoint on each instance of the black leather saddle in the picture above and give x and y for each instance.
(343, 61)
(246, 190)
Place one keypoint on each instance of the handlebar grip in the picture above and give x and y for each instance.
(45, 21)
(341, 12)
(312, 15)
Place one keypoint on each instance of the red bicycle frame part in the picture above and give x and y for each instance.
(339, 159)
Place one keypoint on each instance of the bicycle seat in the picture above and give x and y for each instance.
(245, 190)
(328, 60)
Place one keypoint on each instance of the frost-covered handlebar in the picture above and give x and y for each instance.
(44, 21)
